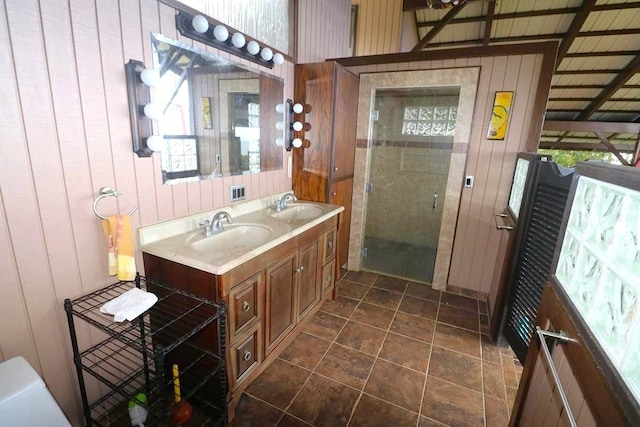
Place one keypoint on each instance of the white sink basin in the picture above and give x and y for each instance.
(234, 238)
(298, 212)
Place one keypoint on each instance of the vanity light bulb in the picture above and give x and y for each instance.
(150, 76)
(297, 126)
(278, 59)
(200, 24)
(297, 142)
(279, 142)
(220, 33)
(266, 54)
(153, 111)
(279, 125)
(297, 108)
(237, 40)
(280, 108)
(253, 47)
(155, 143)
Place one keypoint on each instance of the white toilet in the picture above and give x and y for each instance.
(25, 399)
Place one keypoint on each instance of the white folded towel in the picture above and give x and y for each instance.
(129, 305)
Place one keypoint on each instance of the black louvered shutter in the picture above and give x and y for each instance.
(542, 225)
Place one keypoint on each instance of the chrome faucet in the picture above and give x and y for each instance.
(215, 225)
(281, 204)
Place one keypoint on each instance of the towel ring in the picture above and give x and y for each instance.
(106, 192)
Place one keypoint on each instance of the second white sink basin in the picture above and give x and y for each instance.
(298, 212)
(234, 237)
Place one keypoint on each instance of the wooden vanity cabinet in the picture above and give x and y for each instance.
(323, 171)
(268, 298)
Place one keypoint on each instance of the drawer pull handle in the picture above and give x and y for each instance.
(334, 194)
(335, 169)
(330, 244)
(299, 269)
(246, 306)
(247, 356)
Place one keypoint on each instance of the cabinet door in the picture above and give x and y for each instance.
(244, 306)
(344, 123)
(307, 279)
(340, 194)
(280, 302)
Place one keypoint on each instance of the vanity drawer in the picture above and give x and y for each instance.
(328, 276)
(329, 246)
(244, 306)
(246, 355)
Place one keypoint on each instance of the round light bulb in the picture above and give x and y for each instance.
(200, 24)
(279, 125)
(297, 108)
(278, 59)
(266, 54)
(150, 76)
(155, 143)
(297, 126)
(153, 111)
(253, 47)
(280, 108)
(297, 142)
(237, 40)
(279, 142)
(220, 33)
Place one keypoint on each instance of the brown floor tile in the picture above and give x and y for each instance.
(291, 421)
(484, 324)
(496, 412)
(390, 284)
(452, 404)
(493, 380)
(509, 370)
(483, 307)
(324, 402)
(279, 383)
(457, 339)
(490, 352)
(252, 412)
(373, 412)
(373, 315)
(340, 306)
(325, 325)
(413, 327)
(458, 317)
(361, 337)
(456, 368)
(406, 352)
(361, 277)
(346, 365)
(396, 384)
(459, 301)
(349, 289)
(386, 299)
(419, 307)
(305, 350)
(421, 290)
(428, 422)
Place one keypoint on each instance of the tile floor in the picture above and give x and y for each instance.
(387, 352)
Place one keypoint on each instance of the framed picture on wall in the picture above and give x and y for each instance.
(500, 115)
(206, 113)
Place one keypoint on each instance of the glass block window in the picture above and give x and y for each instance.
(517, 188)
(429, 120)
(180, 156)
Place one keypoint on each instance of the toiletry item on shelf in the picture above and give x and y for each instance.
(138, 412)
(129, 305)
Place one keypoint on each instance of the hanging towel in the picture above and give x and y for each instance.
(117, 230)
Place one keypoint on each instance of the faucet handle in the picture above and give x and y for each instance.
(204, 223)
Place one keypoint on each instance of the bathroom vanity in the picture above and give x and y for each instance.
(273, 271)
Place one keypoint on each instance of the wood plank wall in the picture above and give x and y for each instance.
(379, 26)
(476, 244)
(323, 30)
(64, 134)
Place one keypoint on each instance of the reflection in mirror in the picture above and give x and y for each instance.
(218, 118)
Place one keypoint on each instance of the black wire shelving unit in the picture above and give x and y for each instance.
(137, 356)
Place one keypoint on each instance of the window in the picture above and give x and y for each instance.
(429, 120)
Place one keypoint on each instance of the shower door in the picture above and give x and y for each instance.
(411, 143)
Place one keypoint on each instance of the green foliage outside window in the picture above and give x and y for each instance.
(570, 158)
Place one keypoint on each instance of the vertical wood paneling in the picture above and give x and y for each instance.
(379, 26)
(65, 134)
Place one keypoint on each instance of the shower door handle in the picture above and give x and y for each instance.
(435, 200)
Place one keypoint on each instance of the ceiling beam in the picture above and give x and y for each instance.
(488, 23)
(627, 73)
(583, 146)
(438, 27)
(586, 126)
(601, 54)
(574, 28)
(611, 148)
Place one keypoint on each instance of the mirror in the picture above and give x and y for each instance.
(218, 118)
